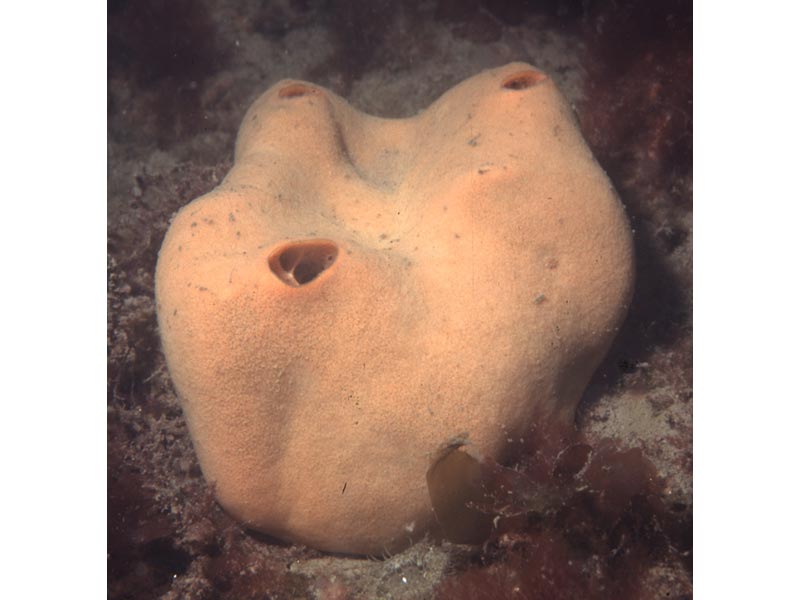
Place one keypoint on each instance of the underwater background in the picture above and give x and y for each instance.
(182, 73)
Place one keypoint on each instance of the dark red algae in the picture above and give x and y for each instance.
(596, 523)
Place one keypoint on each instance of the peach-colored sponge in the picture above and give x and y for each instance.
(358, 291)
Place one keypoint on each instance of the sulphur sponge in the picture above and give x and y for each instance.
(360, 291)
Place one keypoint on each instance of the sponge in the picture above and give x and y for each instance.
(358, 291)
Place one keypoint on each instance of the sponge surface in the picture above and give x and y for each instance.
(358, 291)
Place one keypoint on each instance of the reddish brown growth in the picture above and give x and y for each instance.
(574, 521)
(648, 135)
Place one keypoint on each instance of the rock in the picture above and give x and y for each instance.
(359, 291)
